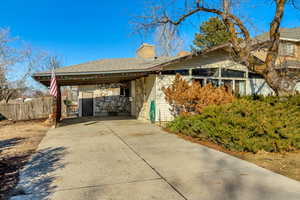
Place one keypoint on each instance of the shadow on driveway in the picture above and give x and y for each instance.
(9, 143)
(10, 165)
(36, 178)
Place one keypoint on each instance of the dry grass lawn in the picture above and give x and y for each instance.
(17, 142)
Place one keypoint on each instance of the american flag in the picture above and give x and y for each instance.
(53, 85)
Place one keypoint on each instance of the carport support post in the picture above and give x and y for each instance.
(58, 105)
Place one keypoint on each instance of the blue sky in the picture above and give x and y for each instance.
(81, 31)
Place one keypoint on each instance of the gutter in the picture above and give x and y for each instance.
(91, 73)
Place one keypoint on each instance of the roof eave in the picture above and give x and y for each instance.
(40, 74)
(290, 39)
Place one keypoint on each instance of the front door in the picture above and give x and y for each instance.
(87, 104)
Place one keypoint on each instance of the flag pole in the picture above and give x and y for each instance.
(55, 92)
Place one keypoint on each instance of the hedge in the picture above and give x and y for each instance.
(248, 124)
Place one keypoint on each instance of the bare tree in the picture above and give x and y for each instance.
(45, 62)
(53, 62)
(241, 50)
(9, 56)
(17, 62)
(168, 40)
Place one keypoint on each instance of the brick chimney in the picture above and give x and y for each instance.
(146, 51)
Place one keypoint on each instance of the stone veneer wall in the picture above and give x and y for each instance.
(112, 105)
(107, 99)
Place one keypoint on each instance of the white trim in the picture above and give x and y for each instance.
(233, 85)
(94, 104)
(222, 78)
(290, 39)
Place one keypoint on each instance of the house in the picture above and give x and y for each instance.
(289, 48)
(133, 86)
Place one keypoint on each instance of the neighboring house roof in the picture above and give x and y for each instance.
(114, 65)
(292, 34)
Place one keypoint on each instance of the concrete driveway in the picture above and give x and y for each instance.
(124, 159)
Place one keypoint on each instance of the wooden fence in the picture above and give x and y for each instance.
(36, 109)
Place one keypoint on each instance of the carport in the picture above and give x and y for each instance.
(85, 78)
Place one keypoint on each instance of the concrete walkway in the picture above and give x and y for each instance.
(123, 159)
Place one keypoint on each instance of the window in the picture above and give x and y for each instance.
(183, 72)
(232, 73)
(287, 49)
(125, 92)
(201, 81)
(214, 82)
(206, 72)
(228, 84)
(254, 75)
(240, 87)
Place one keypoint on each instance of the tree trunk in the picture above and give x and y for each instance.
(8, 96)
(282, 85)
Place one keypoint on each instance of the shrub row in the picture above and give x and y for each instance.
(247, 124)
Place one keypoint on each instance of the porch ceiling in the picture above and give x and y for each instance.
(88, 79)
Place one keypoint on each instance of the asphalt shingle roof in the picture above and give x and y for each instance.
(115, 64)
(286, 33)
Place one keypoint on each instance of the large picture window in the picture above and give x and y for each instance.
(232, 80)
(232, 73)
(214, 72)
